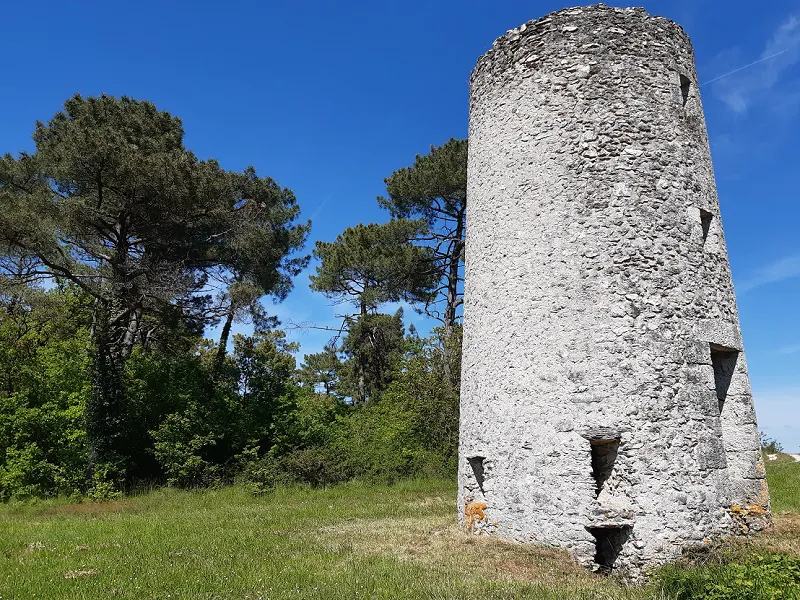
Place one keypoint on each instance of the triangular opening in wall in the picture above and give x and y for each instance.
(705, 220)
(686, 85)
(476, 462)
(604, 455)
(609, 542)
(724, 362)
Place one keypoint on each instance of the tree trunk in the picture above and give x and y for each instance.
(131, 333)
(453, 301)
(222, 347)
(104, 407)
(361, 363)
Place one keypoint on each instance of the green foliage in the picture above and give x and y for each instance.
(43, 389)
(322, 368)
(159, 387)
(204, 439)
(770, 445)
(182, 444)
(375, 442)
(113, 202)
(106, 384)
(434, 189)
(252, 423)
(312, 466)
(106, 483)
(305, 421)
(372, 347)
(26, 473)
(370, 265)
(422, 390)
(757, 577)
(435, 183)
(409, 429)
(301, 450)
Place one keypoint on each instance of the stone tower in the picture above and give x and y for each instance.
(605, 403)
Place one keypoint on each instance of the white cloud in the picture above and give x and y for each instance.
(785, 268)
(740, 87)
(789, 350)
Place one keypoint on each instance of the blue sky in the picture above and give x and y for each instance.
(330, 98)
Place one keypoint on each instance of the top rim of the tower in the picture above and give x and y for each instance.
(514, 37)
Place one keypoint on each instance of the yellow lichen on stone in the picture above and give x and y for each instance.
(474, 515)
(750, 515)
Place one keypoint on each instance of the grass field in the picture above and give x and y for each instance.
(351, 541)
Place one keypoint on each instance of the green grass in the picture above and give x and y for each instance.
(783, 477)
(350, 541)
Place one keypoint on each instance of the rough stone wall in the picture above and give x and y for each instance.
(594, 414)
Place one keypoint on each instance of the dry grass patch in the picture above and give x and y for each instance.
(437, 542)
(80, 573)
(90, 509)
(783, 536)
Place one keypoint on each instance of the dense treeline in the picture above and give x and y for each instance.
(119, 249)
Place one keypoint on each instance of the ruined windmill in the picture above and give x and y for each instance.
(605, 402)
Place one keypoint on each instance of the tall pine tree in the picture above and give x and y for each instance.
(367, 266)
(113, 202)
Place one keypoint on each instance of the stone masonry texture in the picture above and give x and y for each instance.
(605, 402)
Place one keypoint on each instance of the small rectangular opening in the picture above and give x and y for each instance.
(705, 220)
(686, 85)
(724, 362)
(609, 542)
(476, 462)
(604, 455)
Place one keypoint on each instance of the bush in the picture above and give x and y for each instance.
(27, 474)
(375, 442)
(758, 577)
(106, 483)
(770, 445)
(42, 437)
(313, 466)
(180, 444)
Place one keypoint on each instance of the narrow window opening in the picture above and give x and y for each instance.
(686, 85)
(604, 454)
(476, 462)
(609, 542)
(724, 362)
(705, 220)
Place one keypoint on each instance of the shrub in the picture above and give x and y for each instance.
(106, 483)
(42, 437)
(770, 445)
(375, 442)
(180, 444)
(262, 474)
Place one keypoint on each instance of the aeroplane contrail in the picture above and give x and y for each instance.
(745, 67)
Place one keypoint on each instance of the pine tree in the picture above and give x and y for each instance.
(370, 265)
(114, 203)
(434, 189)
